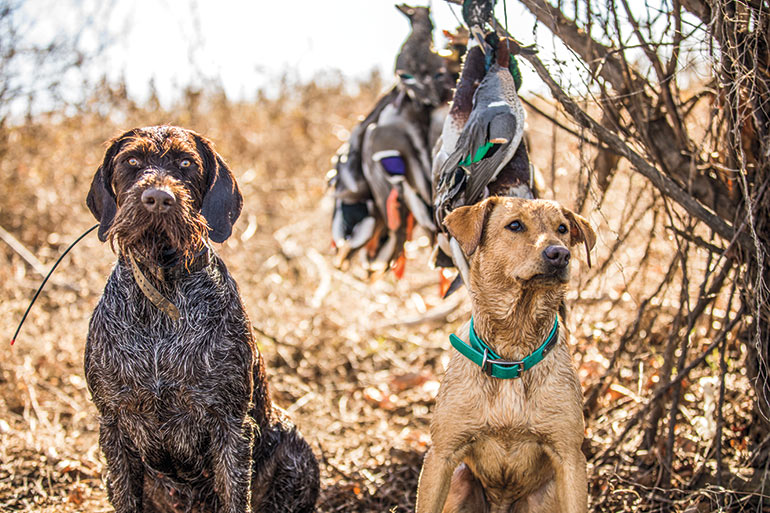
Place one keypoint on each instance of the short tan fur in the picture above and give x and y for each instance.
(510, 445)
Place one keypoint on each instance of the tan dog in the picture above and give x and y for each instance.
(511, 445)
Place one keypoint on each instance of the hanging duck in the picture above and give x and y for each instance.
(354, 219)
(481, 152)
(396, 165)
(453, 55)
(383, 185)
(473, 71)
(421, 71)
(396, 149)
(488, 141)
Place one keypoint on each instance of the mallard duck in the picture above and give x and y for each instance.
(473, 71)
(382, 177)
(453, 54)
(354, 217)
(488, 141)
(420, 70)
(481, 152)
(396, 164)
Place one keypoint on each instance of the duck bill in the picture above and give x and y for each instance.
(478, 35)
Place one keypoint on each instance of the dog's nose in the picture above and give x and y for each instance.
(557, 256)
(158, 201)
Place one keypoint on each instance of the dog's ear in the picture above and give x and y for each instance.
(580, 231)
(101, 198)
(466, 224)
(222, 200)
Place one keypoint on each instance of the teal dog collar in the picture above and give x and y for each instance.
(490, 362)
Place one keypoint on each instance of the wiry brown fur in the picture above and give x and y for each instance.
(186, 420)
(518, 440)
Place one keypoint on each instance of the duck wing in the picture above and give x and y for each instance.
(487, 143)
(477, 141)
(350, 185)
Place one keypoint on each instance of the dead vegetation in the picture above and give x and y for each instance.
(357, 379)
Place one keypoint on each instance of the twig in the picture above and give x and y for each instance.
(672, 109)
(621, 239)
(684, 347)
(662, 390)
(563, 126)
(271, 338)
(23, 252)
(720, 406)
(695, 239)
(438, 313)
(631, 331)
(30, 258)
(302, 401)
(324, 285)
(554, 133)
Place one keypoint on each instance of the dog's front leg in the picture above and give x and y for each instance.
(232, 442)
(435, 478)
(571, 482)
(125, 472)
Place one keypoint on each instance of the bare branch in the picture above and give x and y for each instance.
(665, 184)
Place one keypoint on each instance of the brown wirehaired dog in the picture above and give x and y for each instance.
(186, 420)
(505, 445)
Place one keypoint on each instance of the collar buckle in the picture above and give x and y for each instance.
(486, 364)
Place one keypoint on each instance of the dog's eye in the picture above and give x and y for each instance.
(563, 228)
(185, 163)
(516, 226)
(133, 162)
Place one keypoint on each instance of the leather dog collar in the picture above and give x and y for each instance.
(151, 293)
(490, 362)
(178, 269)
(166, 273)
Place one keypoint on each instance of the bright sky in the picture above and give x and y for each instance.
(248, 44)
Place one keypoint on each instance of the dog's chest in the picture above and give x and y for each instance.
(507, 452)
(509, 406)
(508, 425)
(139, 359)
(509, 468)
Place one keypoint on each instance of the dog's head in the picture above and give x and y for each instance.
(519, 243)
(162, 189)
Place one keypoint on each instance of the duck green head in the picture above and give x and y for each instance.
(513, 65)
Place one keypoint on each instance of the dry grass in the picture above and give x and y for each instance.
(359, 384)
